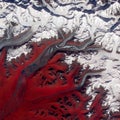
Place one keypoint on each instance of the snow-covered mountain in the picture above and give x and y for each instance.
(98, 20)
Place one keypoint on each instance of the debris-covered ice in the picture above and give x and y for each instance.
(102, 25)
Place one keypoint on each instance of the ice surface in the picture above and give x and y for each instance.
(99, 26)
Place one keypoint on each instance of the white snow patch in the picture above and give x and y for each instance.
(13, 53)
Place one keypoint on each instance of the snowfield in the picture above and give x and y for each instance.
(98, 22)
